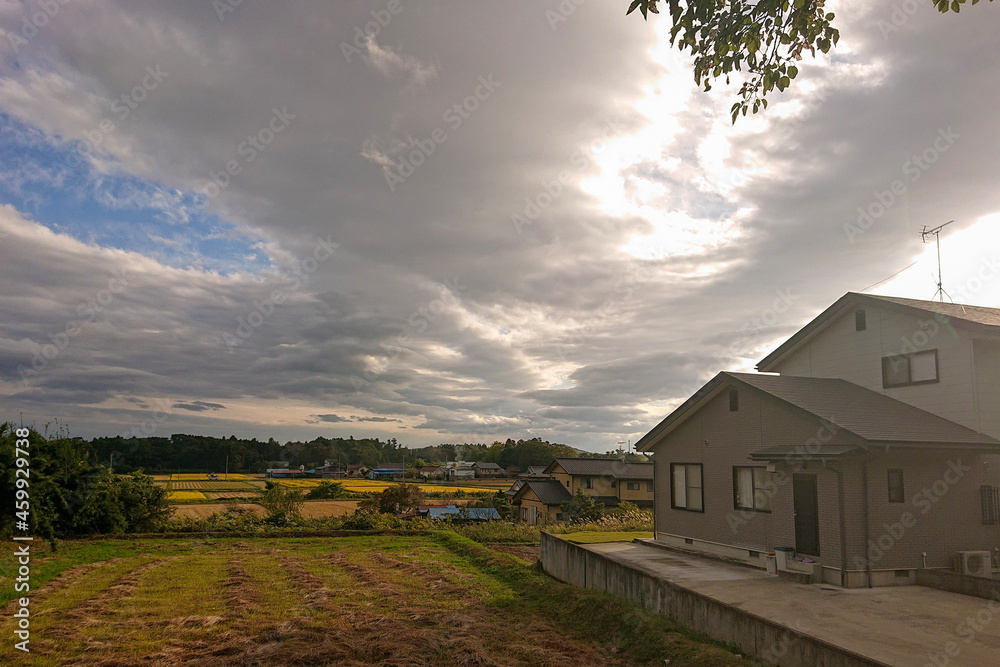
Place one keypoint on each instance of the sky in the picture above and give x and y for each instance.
(456, 221)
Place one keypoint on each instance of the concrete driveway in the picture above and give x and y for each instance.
(905, 625)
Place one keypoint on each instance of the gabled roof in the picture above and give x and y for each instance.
(603, 468)
(486, 466)
(867, 414)
(979, 319)
(549, 492)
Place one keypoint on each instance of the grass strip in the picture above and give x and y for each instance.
(623, 628)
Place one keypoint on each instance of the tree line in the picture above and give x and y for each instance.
(199, 453)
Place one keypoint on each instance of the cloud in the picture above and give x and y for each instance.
(308, 298)
(198, 406)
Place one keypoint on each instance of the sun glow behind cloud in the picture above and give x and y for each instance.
(637, 171)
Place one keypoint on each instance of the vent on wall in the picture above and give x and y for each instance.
(975, 563)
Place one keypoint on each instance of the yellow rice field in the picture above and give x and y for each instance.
(185, 495)
(189, 476)
(376, 486)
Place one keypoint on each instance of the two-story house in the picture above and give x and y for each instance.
(610, 481)
(869, 442)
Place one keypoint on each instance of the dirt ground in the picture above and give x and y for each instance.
(528, 553)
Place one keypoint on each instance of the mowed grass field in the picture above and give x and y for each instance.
(434, 599)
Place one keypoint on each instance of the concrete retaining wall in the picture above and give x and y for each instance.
(757, 637)
(965, 584)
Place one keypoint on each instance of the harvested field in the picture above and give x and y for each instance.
(211, 486)
(321, 509)
(200, 476)
(230, 494)
(379, 599)
(313, 509)
(205, 510)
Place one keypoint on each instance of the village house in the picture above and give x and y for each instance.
(388, 471)
(868, 443)
(431, 472)
(487, 470)
(610, 481)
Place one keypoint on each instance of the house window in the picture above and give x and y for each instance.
(687, 493)
(896, 494)
(990, 496)
(859, 320)
(524, 513)
(614, 483)
(567, 482)
(649, 487)
(905, 369)
(734, 400)
(749, 489)
(633, 486)
(588, 483)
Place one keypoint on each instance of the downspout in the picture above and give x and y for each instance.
(864, 503)
(843, 535)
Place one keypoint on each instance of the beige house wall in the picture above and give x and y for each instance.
(632, 496)
(987, 376)
(941, 512)
(601, 485)
(839, 351)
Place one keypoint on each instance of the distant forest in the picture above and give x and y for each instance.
(199, 453)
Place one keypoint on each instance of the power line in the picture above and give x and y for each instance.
(889, 278)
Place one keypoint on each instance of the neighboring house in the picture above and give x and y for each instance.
(461, 472)
(431, 472)
(538, 500)
(358, 470)
(518, 483)
(279, 473)
(610, 481)
(329, 471)
(873, 452)
(388, 471)
(487, 470)
(535, 472)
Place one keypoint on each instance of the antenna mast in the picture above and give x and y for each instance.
(936, 232)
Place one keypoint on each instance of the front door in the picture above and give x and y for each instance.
(806, 510)
(532, 515)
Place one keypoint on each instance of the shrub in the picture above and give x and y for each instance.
(279, 502)
(629, 520)
(582, 508)
(328, 491)
(397, 499)
(497, 531)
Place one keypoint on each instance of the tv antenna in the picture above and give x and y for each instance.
(936, 232)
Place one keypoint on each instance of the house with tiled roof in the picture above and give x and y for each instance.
(867, 445)
(610, 481)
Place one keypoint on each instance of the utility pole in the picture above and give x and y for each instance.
(227, 467)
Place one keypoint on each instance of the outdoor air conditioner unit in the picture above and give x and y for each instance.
(975, 563)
